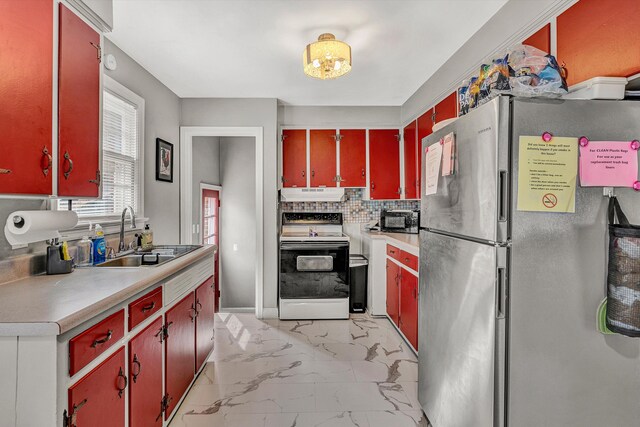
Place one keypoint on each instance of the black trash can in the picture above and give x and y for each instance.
(358, 265)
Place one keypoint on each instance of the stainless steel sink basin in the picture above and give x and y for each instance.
(155, 256)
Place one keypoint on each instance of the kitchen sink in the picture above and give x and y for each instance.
(157, 255)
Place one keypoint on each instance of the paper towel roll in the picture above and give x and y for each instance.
(24, 227)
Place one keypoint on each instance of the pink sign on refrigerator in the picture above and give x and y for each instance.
(608, 163)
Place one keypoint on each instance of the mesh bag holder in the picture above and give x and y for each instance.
(623, 278)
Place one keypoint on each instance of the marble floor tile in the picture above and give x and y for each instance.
(272, 373)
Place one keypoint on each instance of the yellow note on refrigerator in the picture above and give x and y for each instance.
(547, 174)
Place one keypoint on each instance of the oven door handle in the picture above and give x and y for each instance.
(313, 263)
(313, 246)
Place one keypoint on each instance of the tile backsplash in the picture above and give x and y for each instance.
(353, 208)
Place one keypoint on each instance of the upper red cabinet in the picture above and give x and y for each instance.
(384, 164)
(411, 174)
(26, 91)
(78, 107)
(322, 158)
(599, 38)
(447, 108)
(353, 158)
(294, 158)
(541, 39)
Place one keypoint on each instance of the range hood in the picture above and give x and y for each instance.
(312, 194)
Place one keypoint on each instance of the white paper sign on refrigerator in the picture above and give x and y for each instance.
(433, 158)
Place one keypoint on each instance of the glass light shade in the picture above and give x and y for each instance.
(327, 58)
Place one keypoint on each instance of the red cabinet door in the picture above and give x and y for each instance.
(205, 303)
(411, 174)
(294, 158)
(393, 277)
(145, 376)
(78, 107)
(353, 158)
(447, 108)
(425, 128)
(97, 400)
(541, 39)
(26, 88)
(409, 307)
(322, 158)
(599, 38)
(384, 163)
(180, 348)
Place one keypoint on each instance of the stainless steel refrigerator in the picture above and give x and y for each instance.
(508, 299)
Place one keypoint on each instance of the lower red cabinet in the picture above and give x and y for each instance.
(393, 277)
(409, 307)
(98, 400)
(145, 377)
(205, 303)
(180, 350)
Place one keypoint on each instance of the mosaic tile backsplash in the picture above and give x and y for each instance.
(353, 208)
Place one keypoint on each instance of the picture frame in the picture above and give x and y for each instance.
(164, 160)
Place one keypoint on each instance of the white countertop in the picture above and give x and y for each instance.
(407, 242)
(52, 305)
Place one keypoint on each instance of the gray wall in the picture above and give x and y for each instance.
(290, 115)
(262, 112)
(206, 169)
(237, 222)
(162, 120)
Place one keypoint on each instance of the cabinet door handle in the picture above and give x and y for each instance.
(195, 313)
(364, 173)
(67, 159)
(103, 340)
(124, 382)
(313, 174)
(160, 334)
(5, 171)
(198, 310)
(134, 372)
(46, 161)
(148, 307)
(373, 186)
(97, 180)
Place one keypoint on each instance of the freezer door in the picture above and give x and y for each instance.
(461, 334)
(562, 371)
(472, 202)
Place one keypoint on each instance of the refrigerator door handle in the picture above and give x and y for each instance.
(503, 188)
(501, 293)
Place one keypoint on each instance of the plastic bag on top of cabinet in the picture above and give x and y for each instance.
(623, 279)
(534, 73)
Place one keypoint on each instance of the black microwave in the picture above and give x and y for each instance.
(400, 221)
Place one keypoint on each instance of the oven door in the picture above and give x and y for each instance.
(312, 270)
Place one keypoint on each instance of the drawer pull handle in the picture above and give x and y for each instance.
(67, 159)
(118, 382)
(102, 340)
(148, 307)
(5, 171)
(136, 364)
(46, 157)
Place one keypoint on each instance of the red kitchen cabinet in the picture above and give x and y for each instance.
(98, 400)
(447, 108)
(599, 38)
(425, 128)
(353, 158)
(410, 137)
(384, 163)
(180, 350)
(409, 307)
(78, 107)
(541, 39)
(294, 158)
(26, 88)
(393, 293)
(91, 343)
(322, 158)
(205, 303)
(145, 377)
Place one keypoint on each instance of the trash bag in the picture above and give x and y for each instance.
(623, 279)
(534, 73)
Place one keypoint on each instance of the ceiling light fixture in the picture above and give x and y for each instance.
(327, 58)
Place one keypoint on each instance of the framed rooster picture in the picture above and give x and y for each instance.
(164, 160)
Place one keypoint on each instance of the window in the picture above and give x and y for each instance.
(209, 217)
(122, 147)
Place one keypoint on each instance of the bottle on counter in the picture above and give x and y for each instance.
(99, 246)
(84, 254)
(147, 237)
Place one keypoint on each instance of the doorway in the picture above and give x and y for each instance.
(210, 222)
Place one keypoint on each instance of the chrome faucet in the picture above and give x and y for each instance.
(121, 245)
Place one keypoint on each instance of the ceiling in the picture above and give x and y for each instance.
(253, 48)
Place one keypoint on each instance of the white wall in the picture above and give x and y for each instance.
(261, 112)
(237, 222)
(206, 169)
(355, 117)
(162, 120)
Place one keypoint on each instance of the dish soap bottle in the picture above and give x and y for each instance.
(84, 256)
(147, 238)
(99, 247)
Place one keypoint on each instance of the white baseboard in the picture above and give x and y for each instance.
(237, 309)
(270, 313)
